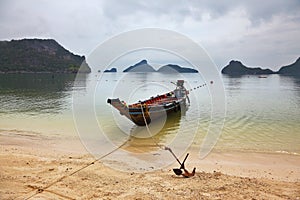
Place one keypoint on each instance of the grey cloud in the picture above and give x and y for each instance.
(80, 26)
(266, 10)
(176, 10)
(256, 10)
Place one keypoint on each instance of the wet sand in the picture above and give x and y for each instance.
(39, 167)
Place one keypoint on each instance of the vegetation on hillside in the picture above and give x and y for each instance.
(39, 55)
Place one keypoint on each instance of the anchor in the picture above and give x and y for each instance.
(182, 170)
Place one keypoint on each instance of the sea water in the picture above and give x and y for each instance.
(262, 114)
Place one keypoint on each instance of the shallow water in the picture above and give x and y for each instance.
(263, 114)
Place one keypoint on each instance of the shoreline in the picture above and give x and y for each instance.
(31, 162)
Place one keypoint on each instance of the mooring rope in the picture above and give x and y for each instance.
(148, 130)
(199, 86)
(42, 189)
(163, 147)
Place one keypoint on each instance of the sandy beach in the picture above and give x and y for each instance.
(39, 167)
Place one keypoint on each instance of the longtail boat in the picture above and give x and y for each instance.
(144, 112)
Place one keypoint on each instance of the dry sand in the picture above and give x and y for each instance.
(36, 167)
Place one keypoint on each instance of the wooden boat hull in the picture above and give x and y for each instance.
(145, 112)
(145, 115)
(141, 118)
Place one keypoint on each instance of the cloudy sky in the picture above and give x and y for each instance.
(259, 33)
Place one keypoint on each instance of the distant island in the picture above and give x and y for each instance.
(237, 68)
(143, 66)
(110, 70)
(37, 56)
(175, 68)
(48, 56)
(292, 69)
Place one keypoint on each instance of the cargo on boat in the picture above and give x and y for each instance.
(144, 112)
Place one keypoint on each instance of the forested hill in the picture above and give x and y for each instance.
(39, 55)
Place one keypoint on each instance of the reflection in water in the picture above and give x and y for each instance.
(140, 140)
(34, 93)
(262, 114)
(287, 81)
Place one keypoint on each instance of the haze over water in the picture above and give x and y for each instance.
(263, 114)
